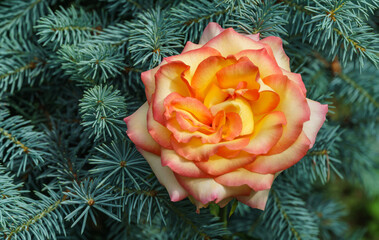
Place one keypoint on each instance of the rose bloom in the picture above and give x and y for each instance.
(224, 118)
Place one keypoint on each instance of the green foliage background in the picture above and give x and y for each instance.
(70, 72)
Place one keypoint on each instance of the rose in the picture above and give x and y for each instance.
(223, 118)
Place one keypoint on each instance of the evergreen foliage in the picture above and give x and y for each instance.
(70, 72)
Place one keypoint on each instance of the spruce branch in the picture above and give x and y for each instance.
(18, 17)
(20, 145)
(157, 39)
(119, 164)
(102, 109)
(68, 26)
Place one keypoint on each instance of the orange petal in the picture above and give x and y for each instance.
(267, 101)
(208, 190)
(183, 136)
(180, 165)
(281, 161)
(189, 123)
(191, 46)
(214, 96)
(317, 118)
(295, 77)
(137, 130)
(294, 106)
(165, 176)
(196, 150)
(193, 58)
(168, 79)
(230, 42)
(233, 126)
(217, 165)
(175, 102)
(261, 58)
(241, 176)
(242, 108)
(266, 134)
(242, 71)
(157, 131)
(255, 199)
(206, 74)
(276, 45)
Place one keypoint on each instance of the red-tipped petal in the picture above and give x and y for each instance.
(217, 165)
(230, 42)
(157, 131)
(281, 161)
(255, 199)
(242, 71)
(254, 37)
(168, 79)
(294, 106)
(212, 30)
(241, 107)
(208, 190)
(196, 150)
(267, 101)
(241, 176)
(266, 134)
(148, 79)
(193, 58)
(165, 176)
(180, 165)
(205, 74)
(137, 130)
(191, 46)
(175, 102)
(296, 78)
(318, 113)
(261, 58)
(276, 45)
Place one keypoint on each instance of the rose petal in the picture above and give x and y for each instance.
(318, 113)
(157, 131)
(242, 71)
(262, 59)
(212, 30)
(193, 58)
(281, 161)
(233, 126)
(294, 106)
(165, 176)
(196, 150)
(276, 45)
(175, 102)
(230, 42)
(208, 190)
(242, 108)
(254, 37)
(267, 101)
(180, 165)
(295, 77)
(241, 176)
(266, 134)
(214, 96)
(137, 130)
(168, 79)
(148, 79)
(191, 46)
(205, 74)
(217, 165)
(255, 199)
